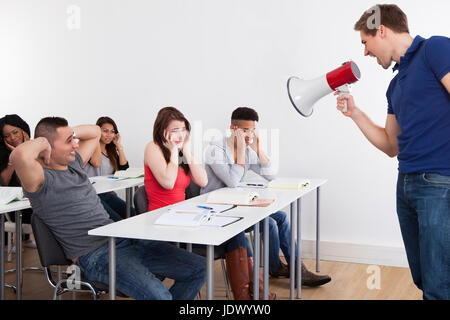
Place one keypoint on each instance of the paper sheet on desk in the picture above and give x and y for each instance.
(104, 178)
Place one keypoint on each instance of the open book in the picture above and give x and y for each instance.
(237, 196)
(129, 173)
(184, 217)
(10, 194)
(289, 183)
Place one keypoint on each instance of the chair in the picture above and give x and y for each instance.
(52, 254)
(193, 190)
(140, 200)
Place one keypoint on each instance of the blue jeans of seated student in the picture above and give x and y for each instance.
(279, 238)
(239, 240)
(423, 209)
(137, 262)
(116, 207)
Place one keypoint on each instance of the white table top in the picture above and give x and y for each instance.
(142, 226)
(104, 184)
(101, 185)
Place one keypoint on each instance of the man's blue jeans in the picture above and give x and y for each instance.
(116, 207)
(279, 238)
(423, 208)
(137, 262)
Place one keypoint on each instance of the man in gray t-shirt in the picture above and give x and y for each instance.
(75, 208)
(50, 169)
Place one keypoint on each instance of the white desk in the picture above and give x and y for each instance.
(104, 184)
(101, 185)
(142, 227)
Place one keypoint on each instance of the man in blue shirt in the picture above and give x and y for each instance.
(417, 131)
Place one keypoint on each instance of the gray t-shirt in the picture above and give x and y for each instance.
(70, 207)
(105, 169)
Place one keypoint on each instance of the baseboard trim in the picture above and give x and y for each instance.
(356, 253)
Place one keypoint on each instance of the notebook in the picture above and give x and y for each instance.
(10, 194)
(184, 217)
(289, 183)
(129, 173)
(237, 196)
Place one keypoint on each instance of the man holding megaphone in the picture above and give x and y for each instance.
(417, 131)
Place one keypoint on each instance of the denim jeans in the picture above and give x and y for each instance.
(137, 262)
(279, 238)
(116, 207)
(423, 209)
(239, 240)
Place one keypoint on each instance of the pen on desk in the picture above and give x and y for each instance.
(255, 184)
(203, 207)
(92, 182)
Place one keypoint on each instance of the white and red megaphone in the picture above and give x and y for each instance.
(305, 93)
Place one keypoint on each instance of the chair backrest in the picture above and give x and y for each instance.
(140, 200)
(50, 251)
(192, 190)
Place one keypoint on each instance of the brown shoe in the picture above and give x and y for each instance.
(310, 279)
(283, 272)
(237, 270)
(271, 296)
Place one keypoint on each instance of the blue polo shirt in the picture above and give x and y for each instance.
(421, 105)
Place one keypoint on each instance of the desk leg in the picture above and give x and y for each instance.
(292, 260)
(209, 272)
(2, 257)
(318, 231)
(19, 270)
(189, 247)
(256, 261)
(128, 196)
(266, 260)
(299, 248)
(59, 277)
(112, 268)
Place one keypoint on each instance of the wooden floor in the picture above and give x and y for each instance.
(349, 282)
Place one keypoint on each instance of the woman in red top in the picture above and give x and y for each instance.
(169, 163)
(166, 178)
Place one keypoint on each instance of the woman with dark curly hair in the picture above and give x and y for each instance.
(13, 131)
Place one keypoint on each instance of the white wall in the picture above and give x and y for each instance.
(206, 57)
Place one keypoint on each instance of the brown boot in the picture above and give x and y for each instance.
(272, 296)
(237, 271)
(310, 279)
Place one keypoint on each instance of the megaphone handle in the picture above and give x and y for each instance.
(346, 88)
(345, 102)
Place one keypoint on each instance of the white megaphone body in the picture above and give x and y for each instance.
(305, 93)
